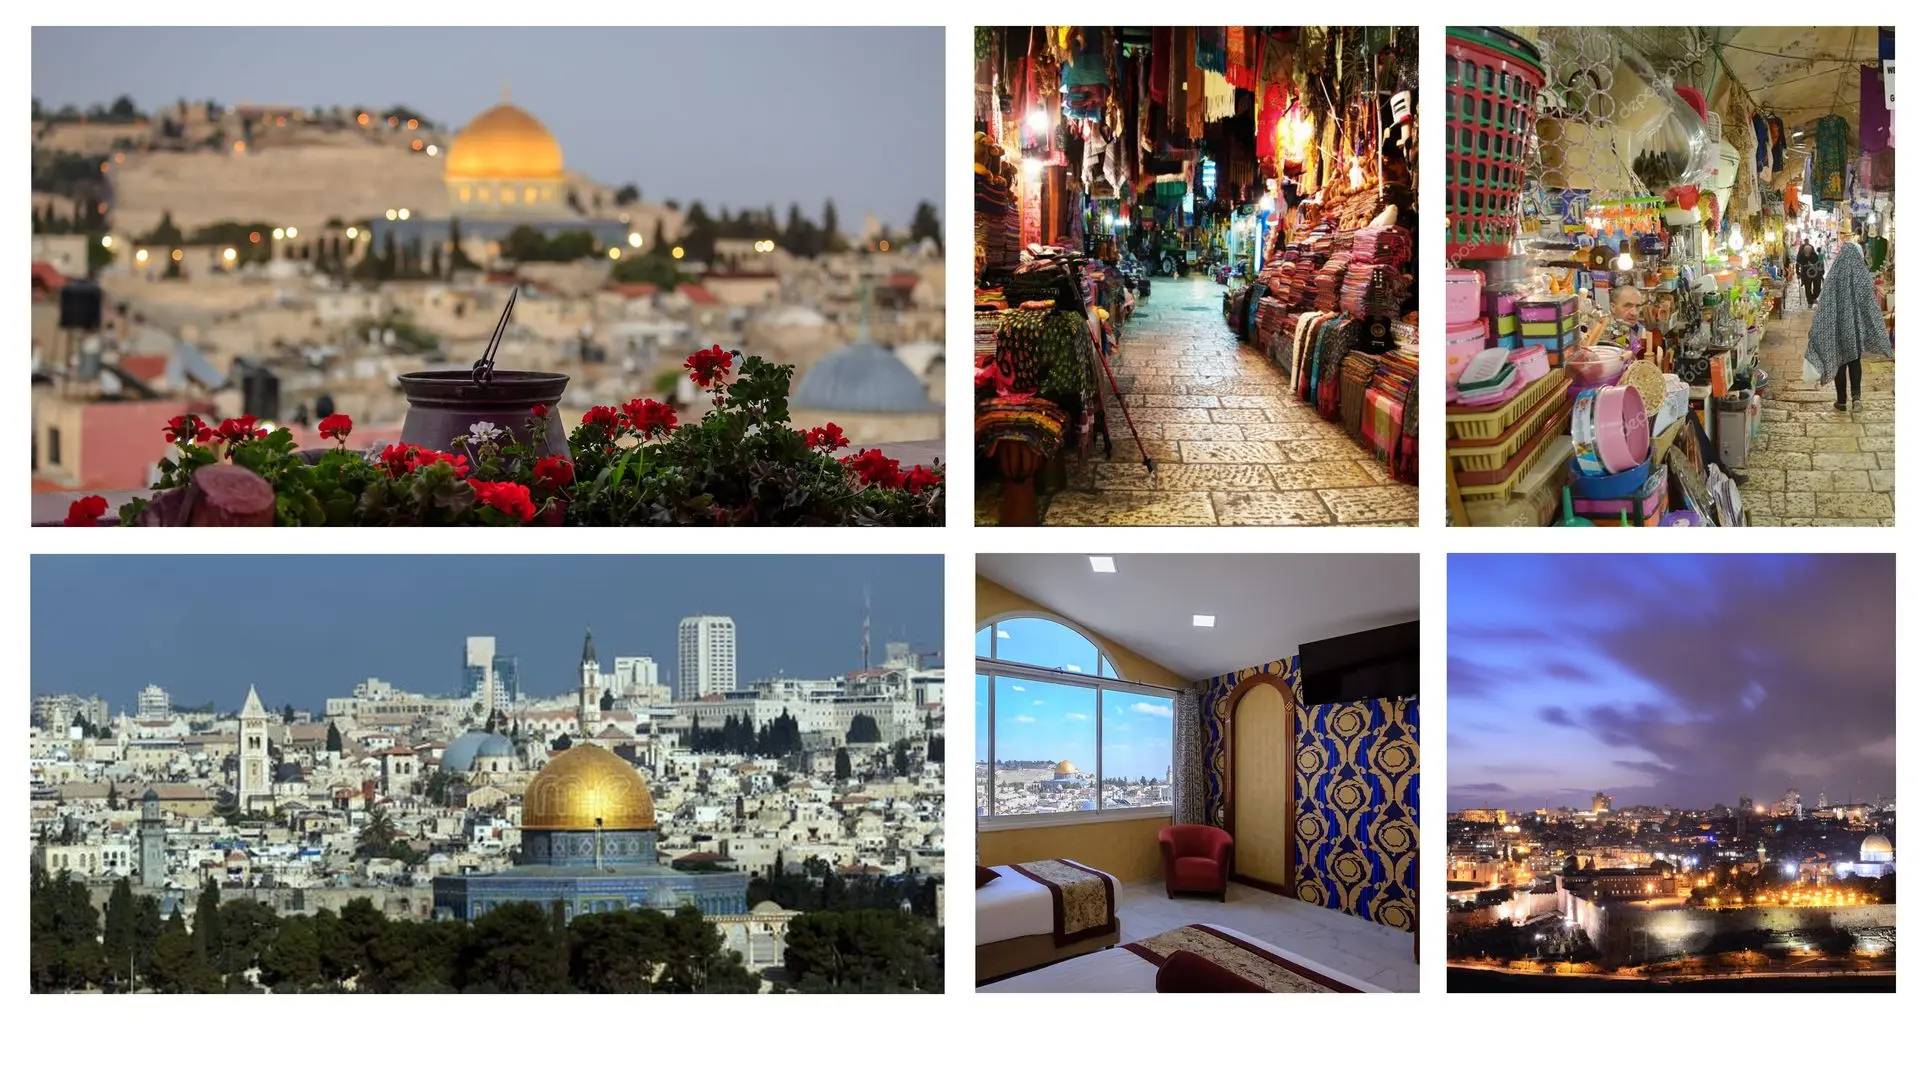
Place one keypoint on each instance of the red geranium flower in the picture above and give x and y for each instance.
(827, 438)
(709, 366)
(554, 471)
(507, 497)
(187, 428)
(602, 416)
(919, 478)
(86, 511)
(874, 468)
(539, 410)
(239, 429)
(649, 417)
(337, 426)
(397, 458)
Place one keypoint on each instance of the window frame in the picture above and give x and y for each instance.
(992, 667)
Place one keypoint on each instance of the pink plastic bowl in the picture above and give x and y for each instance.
(1620, 423)
(1463, 295)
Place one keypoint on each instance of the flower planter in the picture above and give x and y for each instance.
(445, 405)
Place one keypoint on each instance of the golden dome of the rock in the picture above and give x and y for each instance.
(1065, 768)
(504, 143)
(585, 787)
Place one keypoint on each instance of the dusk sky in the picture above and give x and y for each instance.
(735, 116)
(1686, 679)
(306, 627)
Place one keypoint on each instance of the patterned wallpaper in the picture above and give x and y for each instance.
(1357, 789)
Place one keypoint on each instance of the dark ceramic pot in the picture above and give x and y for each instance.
(443, 405)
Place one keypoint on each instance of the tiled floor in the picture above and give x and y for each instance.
(1811, 465)
(1379, 954)
(1230, 443)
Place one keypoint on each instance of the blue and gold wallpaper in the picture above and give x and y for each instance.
(1357, 796)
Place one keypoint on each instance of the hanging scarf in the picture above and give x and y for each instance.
(1243, 61)
(1830, 160)
(1160, 59)
(1876, 123)
(1847, 322)
(1210, 49)
(1196, 88)
(1762, 155)
(1777, 140)
(1219, 96)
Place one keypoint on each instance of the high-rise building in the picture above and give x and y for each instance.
(154, 703)
(1602, 803)
(634, 673)
(153, 841)
(707, 661)
(489, 680)
(1791, 804)
(256, 788)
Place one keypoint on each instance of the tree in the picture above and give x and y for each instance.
(377, 837)
(937, 750)
(900, 762)
(286, 714)
(415, 957)
(842, 766)
(113, 795)
(457, 258)
(123, 110)
(334, 743)
(515, 949)
(166, 233)
(117, 939)
(877, 951)
(700, 234)
(863, 729)
(178, 966)
(206, 921)
(291, 961)
(926, 225)
(247, 928)
(830, 238)
(627, 195)
(617, 952)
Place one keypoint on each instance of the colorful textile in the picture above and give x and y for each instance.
(1829, 161)
(1210, 49)
(1036, 422)
(1876, 123)
(1082, 898)
(1269, 971)
(1243, 56)
(1847, 321)
(1045, 352)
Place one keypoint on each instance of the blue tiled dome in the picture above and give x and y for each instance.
(460, 753)
(861, 378)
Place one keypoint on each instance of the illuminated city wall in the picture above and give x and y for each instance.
(1625, 934)
(1357, 820)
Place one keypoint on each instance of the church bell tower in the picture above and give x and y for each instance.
(589, 688)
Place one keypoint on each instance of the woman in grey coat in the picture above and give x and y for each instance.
(1847, 325)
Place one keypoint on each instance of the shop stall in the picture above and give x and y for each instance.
(1625, 212)
(1194, 254)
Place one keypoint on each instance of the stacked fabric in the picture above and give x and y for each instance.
(1390, 245)
(1390, 422)
(996, 216)
(1326, 283)
(1035, 422)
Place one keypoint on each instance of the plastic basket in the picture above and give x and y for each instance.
(1479, 425)
(1492, 92)
(1500, 484)
(1488, 455)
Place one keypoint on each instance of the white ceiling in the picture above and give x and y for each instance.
(1267, 605)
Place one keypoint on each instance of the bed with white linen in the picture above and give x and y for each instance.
(1122, 971)
(1014, 925)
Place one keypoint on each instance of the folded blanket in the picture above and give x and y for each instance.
(1269, 971)
(1082, 899)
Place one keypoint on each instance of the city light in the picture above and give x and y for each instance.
(679, 252)
(140, 256)
(405, 213)
(292, 232)
(613, 253)
(432, 150)
(392, 214)
(1037, 121)
(229, 254)
(633, 239)
(279, 234)
(106, 241)
(178, 254)
(353, 233)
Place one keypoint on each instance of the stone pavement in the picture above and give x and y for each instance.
(1230, 443)
(1811, 465)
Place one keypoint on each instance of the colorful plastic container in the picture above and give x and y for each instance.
(1463, 295)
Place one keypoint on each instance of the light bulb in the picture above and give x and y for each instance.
(1735, 239)
(1624, 262)
(1037, 120)
(1355, 177)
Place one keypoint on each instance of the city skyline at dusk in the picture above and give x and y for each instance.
(1689, 680)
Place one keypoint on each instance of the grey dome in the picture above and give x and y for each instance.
(461, 752)
(861, 377)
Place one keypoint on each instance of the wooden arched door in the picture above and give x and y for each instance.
(1260, 803)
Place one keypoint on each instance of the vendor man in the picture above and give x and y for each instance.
(1623, 322)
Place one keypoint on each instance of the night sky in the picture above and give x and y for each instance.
(738, 116)
(1686, 679)
(308, 627)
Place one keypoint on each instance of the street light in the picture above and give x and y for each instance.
(353, 233)
(279, 234)
(292, 232)
(613, 253)
(405, 213)
(140, 256)
(392, 214)
(229, 255)
(633, 239)
(679, 252)
(106, 242)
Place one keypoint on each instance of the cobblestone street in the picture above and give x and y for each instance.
(1812, 465)
(1230, 443)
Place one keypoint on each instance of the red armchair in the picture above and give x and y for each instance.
(1196, 858)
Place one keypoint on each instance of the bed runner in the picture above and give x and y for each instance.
(1082, 898)
(1245, 959)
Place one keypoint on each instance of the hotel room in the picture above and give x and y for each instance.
(1196, 773)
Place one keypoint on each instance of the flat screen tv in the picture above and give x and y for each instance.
(1379, 663)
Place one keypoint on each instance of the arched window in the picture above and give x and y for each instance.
(1058, 731)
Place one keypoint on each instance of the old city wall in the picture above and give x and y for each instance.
(303, 186)
(1624, 933)
(394, 901)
